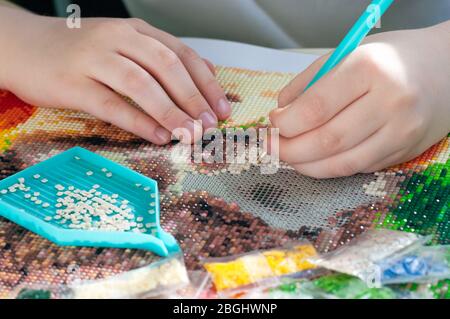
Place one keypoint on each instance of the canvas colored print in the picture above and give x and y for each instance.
(217, 210)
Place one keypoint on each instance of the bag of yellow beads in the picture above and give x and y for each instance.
(229, 274)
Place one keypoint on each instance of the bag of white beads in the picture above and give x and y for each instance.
(359, 256)
(158, 278)
(153, 281)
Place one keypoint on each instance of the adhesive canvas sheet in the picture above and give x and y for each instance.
(247, 56)
(215, 210)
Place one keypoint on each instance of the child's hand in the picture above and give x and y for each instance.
(52, 65)
(386, 103)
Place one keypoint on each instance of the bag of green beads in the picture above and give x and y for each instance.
(282, 288)
(342, 286)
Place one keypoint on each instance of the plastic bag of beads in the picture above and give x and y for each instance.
(358, 257)
(342, 286)
(420, 264)
(286, 288)
(199, 287)
(158, 278)
(240, 271)
(294, 286)
(36, 291)
(147, 282)
(330, 286)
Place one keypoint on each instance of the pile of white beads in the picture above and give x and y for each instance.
(93, 210)
(20, 186)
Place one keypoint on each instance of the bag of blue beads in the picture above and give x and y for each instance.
(423, 264)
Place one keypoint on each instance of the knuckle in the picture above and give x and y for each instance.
(136, 80)
(194, 100)
(102, 27)
(136, 21)
(314, 111)
(104, 33)
(406, 106)
(329, 141)
(415, 129)
(187, 53)
(345, 168)
(168, 114)
(120, 26)
(407, 101)
(368, 64)
(110, 106)
(168, 58)
(283, 96)
(111, 26)
(138, 122)
(211, 85)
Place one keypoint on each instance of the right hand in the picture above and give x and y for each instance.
(86, 69)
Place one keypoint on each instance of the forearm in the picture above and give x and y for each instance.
(15, 23)
(4, 3)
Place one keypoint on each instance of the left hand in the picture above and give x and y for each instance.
(386, 103)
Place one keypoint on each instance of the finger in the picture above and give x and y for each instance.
(108, 106)
(356, 160)
(129, 79)
(391, 160)
(164, 65)
(211, 66)
(349, 128)
(195, 65)
(326, 98)
(405, 155)
(296, 87)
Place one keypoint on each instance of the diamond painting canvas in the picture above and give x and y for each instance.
(215, 210)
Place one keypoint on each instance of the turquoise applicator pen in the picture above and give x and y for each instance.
(354, 37)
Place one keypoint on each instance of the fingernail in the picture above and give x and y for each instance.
(224, 108)
(208, 120)
(162, 134)
(272, 114)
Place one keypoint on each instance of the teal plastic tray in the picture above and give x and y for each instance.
(55, 200)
